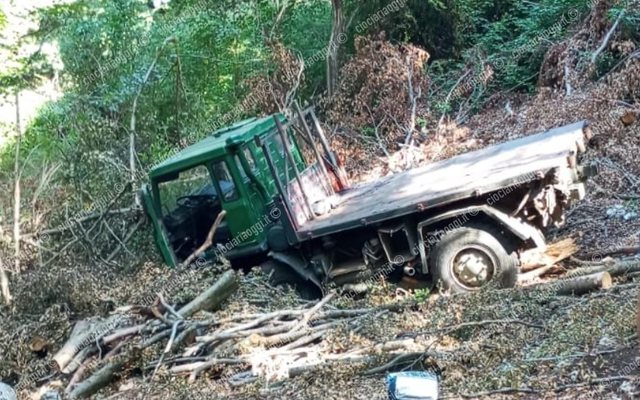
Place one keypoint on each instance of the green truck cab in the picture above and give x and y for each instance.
(465, 223)
(226, 171)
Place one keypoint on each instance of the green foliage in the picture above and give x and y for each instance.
(421, 295)
(307, 31)
(220, 47)
(3, 19)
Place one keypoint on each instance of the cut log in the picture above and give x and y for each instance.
(616, 269)
(84, 333)
(98, 380)
(78, 360)
(72, 346)
(213, 297)
(578, 286)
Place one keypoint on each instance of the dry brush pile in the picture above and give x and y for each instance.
(265, 342)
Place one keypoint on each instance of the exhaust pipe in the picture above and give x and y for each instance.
(409, 271)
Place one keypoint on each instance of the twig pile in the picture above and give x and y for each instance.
(273, 345)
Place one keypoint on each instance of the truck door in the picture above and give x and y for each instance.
(241, 215)
(246, 164)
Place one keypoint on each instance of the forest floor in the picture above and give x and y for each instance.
(566, 347)
(581, 346)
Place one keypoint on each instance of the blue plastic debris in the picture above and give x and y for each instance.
(7, 392)
(412, 385)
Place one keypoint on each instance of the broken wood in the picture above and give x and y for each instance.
(554, 253)
(84, 333)
(212, 297)
(209, 240)
(78, 360)
(71, 347)
(98, 380)
(4, 284)
(607, 37)
(578, 286)
(616, 269)
(539, 264)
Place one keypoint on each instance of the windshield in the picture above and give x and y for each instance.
(192, 182)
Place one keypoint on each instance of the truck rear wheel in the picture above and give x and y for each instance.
(281, 274)
(471, 258)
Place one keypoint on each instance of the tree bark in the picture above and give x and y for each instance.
(578, 286)
(617, 269)
(212, 297)
(84, 333)
(4, 284)
(208, 242)
(16, 191)
(98, 380)
(335, 44)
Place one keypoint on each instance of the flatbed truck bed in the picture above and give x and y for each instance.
(466, 176)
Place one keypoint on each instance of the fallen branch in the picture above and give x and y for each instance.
(71, 346)
(213, 297)
(456, 327)
(607, 37)
(402, 358)
(208, 364)
(123, 242)
(209, 240)
(616, 269)
(578, 286)
(309, 314)
(90, 217)
(123, 333)
(78, 360)
(98, 380)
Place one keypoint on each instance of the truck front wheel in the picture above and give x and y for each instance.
(471, 258)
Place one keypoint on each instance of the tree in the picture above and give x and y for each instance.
(338, 28)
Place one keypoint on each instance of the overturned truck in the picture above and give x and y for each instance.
(463, 223)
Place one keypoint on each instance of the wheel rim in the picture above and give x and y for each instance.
(472, 267)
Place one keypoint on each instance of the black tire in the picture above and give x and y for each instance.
(481, 243)
(281, 274)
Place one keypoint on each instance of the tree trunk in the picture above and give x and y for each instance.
(16, 192)
(4, 284)
(335, 44)
(212, 297)
(578, 286)
(98, 380)
(84, 334)
(617, 269)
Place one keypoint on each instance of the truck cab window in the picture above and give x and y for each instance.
(225, 181)
(243, 173)
(190, 183)
(189, 204)
(251, 160)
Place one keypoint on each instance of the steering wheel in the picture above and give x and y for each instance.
(193, 200)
